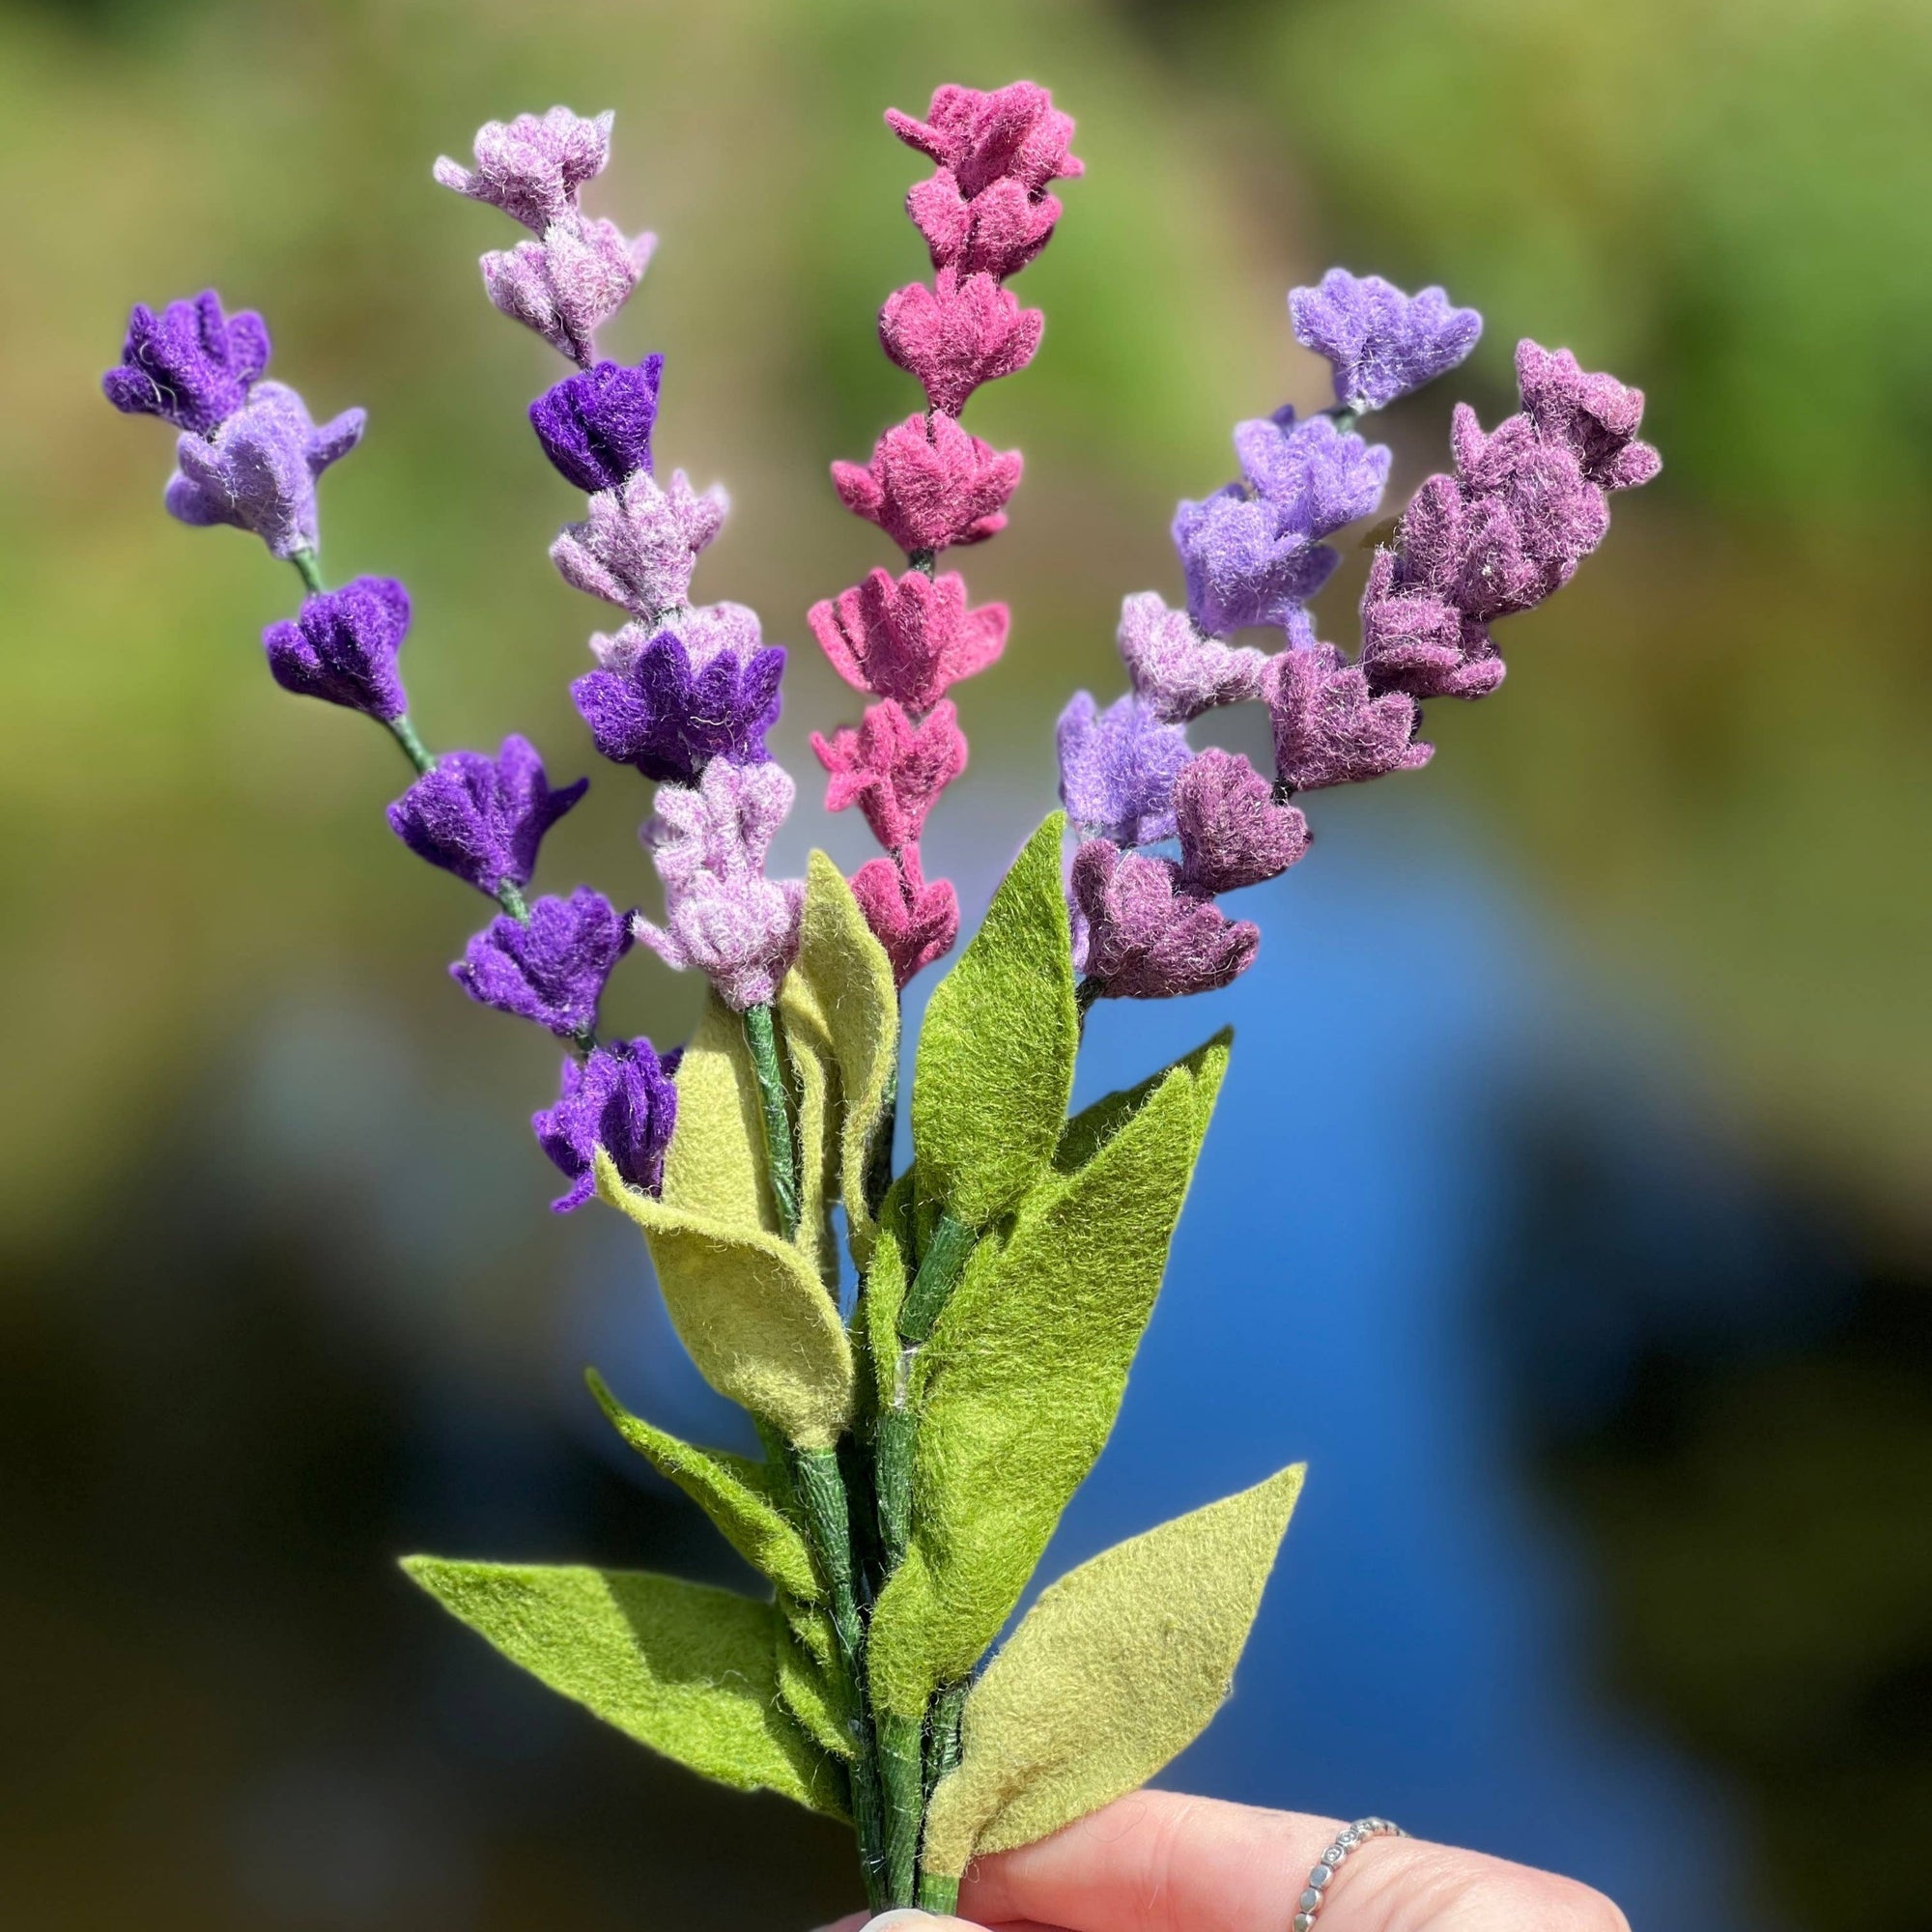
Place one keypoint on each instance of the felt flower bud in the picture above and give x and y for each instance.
(996, 232)
(669, 715)
(257, 470)
(1144, 935)
(532, 167)
(957, 334)
(978, 137)
(569, 284)
(596, 426)
(1315, 477)
(1329, 729)
(724, 824)
(1417, 642)
(892, 769)
(639, 543)
(1233, 834)
(1118, 768)
(1176, 672)
(914, 920)
(911, 639)
(190, 365)
(343, 647)
(1381, 343)
(550, 968)
(621, 1099)
(706, 630)
(1595, 417)
(483, 819)
(930, 484)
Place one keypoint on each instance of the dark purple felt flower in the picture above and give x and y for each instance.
(1329, 729)
(621, 1099)
(669, 717)
(483, 819)
(1146, 936)
(190, 365)
(550, 968)
(1118, 768)
(343, 647)
(1379, 341)
(1233, 834)
(596, 426)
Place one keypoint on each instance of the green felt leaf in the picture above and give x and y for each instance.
(689, 1670)
(805, 1685)
(751, 1312)
(995, 1063)
(1117, 1667)
(741, 1496)
(886, 1281)
(715, 1165)
(1021, 1381)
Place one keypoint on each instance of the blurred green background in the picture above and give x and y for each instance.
(1706, 774)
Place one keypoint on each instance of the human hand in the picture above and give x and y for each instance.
(1157, 1861)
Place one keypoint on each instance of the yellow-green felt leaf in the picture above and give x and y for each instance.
(886, 1281)
(805, 1687)
(1118, 1667)
(715, 1165)
(689, 1670)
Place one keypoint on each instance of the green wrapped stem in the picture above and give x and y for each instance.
(780, 1152)
(902, 1778)
(938, 1894)
(938, 1269)
(893, 1447)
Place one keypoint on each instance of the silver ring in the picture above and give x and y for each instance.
(1322, 1876)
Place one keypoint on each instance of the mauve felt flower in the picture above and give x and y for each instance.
(670, 718)
(1233, 834)
(1417, 642)
(930, 484)
(532, 167)
(1379, 341)
(978, 137)
(1595, 417)
(957, 334)
(1144, 935)
(1329, 729)
(892, 769)
(1177, 672)
(914, 920)
(621, 1099)
(190, 365)
(483, 819)
(343, 647)
(596, 425)
(1242, 567)
(551, 968)
(639, 543)
(1314, 477)
(909, 639)
(257, 471)
(569, 284)
(1118, 768)
(997, 232)
(706, 629)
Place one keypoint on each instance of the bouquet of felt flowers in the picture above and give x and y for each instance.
(924, 1431)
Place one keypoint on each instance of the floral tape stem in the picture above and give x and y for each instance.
(762, 1040)
(938, 1269)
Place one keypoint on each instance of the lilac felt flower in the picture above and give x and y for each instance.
(621, 1100)
(1419, 642)
(1142, 934)
(257, 471)
(532, 167)
(190, 365)
(1118, 768)
(1329, 729)
(1243, 564)
(566, 286)
(483, 819)
(1232, 833)
(707, 629)
(550, 968)
(639, 543)
(1177, 672)
(670, 718)
(596, 425)
(1595, 417)
(1314, 477)
(1379, 341)
(343, 647)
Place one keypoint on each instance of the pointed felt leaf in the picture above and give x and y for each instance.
(805, 1687)
(752, 1313)
(715, 1165)
(886, 1281)
(995, 1063)
(1021, 1381)
(689, 1670)
(1116, 1668)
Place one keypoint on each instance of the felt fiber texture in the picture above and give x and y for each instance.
(805, 1690)
(996, 232)
(980, 137)
(1314, 477)
(888, 1275)
(620, 1098)
(705, 630)
(1330, 728)
(1145, 933)
(915, 920)
(596, 426)
(687, 1669)
(1233, 834)
(532, 167)
(892, 769)
(668, 715)
(1381, 343)
(551, 967)
(570, 283)
(483, 819)
(995, 1062)
(958, 333)
(1118, 768)
(190, 365)
(931, 484)
(342, 648)
(1018, 1388)
(1243, 564)
(816, 1105)
(910, 638)
(639, 543)
(715, 1165)
(751, 1312)
(1176, 672)
(1116, 1669)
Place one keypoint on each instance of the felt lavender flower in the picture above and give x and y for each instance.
(190, 365)
(1243, 565)
(957, 334)
(550, 968)
(909, 639)
(1328, 727)
(483, 819)
(596, 425)
(706, 629)
(640, 543)
(1595, 417)
(532, 167)
(1416, 642)
(669, 715)
(1232, 832)
(343, 647)
(1142, 933)
(892, 769)
(1381, 343)
(978, 137)
(931, 484)
(914, 919)
(1118, 768)
(1177, 672)
(569, 284)
(257, 471)
(1315, 477)
(621, 1099)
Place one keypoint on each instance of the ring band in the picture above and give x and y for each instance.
(1316, 1895)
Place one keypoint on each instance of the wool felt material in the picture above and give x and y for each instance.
(1233, 834)
(550, 968)
(1242, 564)
(888, 1275)
(892, 769)
(1176, 672)
(639, 543)
(532, 167)
(752, 1312)
(620, 1098)
(483, 819)
(566, 286)
(996, 232)
(1419, 643)
(705, 630)
(1314, 477)
(1095, 1125)
(931, 484)
(914, 919)
(1118, 768)
(1018, 1388)
(1114, 1671)
(1381, 343)
(342, 648)
(995, 1062)
(715, 1166)
(687, 1669)
(1144, 933)
(806, 1691)
(1329, 729)
(958, 333)
(979, 136)
(816, 1106)
(190, 365)
(596, 426)
(910, 638)
(668, 716)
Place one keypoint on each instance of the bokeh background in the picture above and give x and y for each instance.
(1567, 1203)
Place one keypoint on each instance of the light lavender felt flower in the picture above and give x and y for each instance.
(532, 167)
(708, 631)
(639, 543)
(1315, 477)
(566, 286)
(1118, 768)
(258, 469)
(1242, 564)
(1177, 672)
(1381, 343)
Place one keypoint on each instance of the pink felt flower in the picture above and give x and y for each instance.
(958, 334)
(1143, 934)
(892, 769)
(913, 920)
(997, 232)
(978, 137)
(930, 484)
(1233, 834)
(909, 639)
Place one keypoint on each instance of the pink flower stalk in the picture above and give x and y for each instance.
(892, 769)
(910, 638)
(915, 921)
(930, 484)
(958, 334)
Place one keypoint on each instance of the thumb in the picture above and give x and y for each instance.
(904, 1919)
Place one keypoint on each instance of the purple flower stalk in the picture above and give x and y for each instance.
(1176, 672)
(641, 542)
(190, 365)
(569, 284)
(550, 968)
(669, 714)
(1381, 343)
(596, 425)
(1118, 768)
(621, 1099)
(532, 167)
(1142, 933)
(343, 647)
(483, 819)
